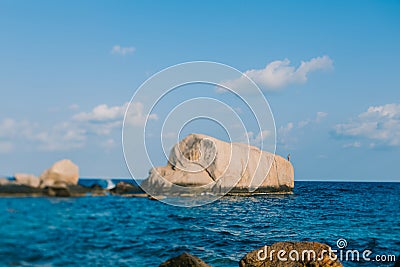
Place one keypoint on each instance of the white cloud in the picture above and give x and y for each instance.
(6, 146)
(286, 135)
(354, 144)
(280, 73)
(73, 133)
(10, 128)
(379, 124)
(60, 137)
(102, 113)
(320, 116)
(123, 51)
(257, 139)
(102, 119)
(303, 123)
(113, 116)
(109, 144)
(7, 127)
(170, 135)
(287, 128)
(74, 107)
(135, 115)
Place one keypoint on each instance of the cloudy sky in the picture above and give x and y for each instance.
(330, 72)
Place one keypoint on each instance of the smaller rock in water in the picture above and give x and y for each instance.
(298, 254)
(4, 181)
(63, 172)
(123, 188)
(27, 179)
(184, 260)
(16, 190)
(57, 191)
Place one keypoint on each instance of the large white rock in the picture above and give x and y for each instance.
(63, 172)
(27, 179)
(201, 160)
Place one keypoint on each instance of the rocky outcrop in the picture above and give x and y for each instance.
(73, 191)
(60, 180)
(15, 190)
(294, 254)
(184, 260)
(123, 188)
(206, 162)
(4, 181)
(27, 179)
(63, 172)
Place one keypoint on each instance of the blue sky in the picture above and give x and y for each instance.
(68, 68)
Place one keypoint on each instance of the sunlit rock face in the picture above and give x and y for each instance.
(61, 173)
(201, 163)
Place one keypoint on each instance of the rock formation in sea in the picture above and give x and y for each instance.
(60, 180)
(296, 254)
(27, 179)
(61, 173)
(205, 163)
(127, 189)
(4, 181)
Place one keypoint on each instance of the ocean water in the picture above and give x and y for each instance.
(118, 231)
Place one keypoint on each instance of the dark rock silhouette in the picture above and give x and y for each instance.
(123, 188)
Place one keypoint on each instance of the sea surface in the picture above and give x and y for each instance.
(119, 231)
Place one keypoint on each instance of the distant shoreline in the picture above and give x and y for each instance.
(301, 180)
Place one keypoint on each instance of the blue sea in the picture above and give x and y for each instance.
(119, 231)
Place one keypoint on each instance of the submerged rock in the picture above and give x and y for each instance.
(60, 191)
(123, 188)
(220, 167)
(184, 260)
(16, 190)
(63, 172)
(72, 191)
(297, 254)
